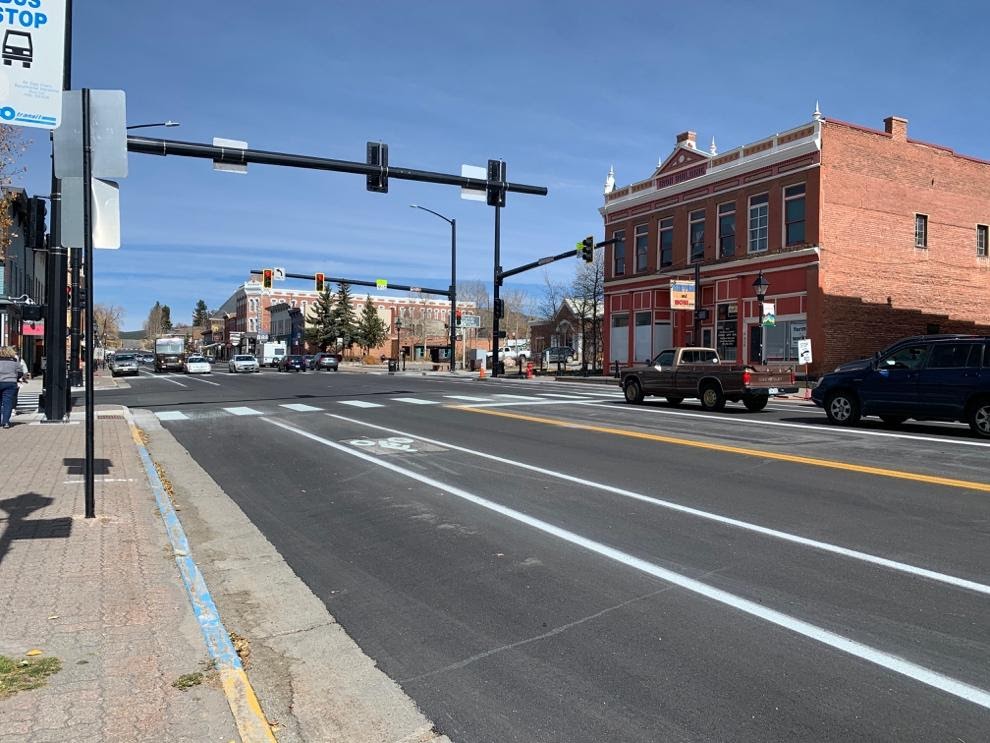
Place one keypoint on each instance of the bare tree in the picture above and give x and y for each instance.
(516, 321)
(553, 296)
(106, 320)
(154, 325)
(588, 293)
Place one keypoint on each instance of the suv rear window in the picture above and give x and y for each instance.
(954, 355)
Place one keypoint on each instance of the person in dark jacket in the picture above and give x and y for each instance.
(10, 373)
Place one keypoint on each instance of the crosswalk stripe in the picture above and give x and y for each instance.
(416, 401)
(467, 398)
(299, 407)
(517, 397)
(566, 397)
(361, 404)
(171, 415)
(242, 411)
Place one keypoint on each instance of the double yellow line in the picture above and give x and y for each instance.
(743, 451)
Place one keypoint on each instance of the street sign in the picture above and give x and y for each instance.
(381, 283)
(474, 171)
(107, 132)
(470, 321)
(105, 214)
(682, 295)
(804, 351)
(278, 273)
(234, 144)
(33, 62)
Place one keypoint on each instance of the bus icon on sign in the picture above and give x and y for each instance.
(17, 48)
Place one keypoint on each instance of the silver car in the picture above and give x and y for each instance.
(243, 362)
(123, 363)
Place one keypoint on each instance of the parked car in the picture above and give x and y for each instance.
(243, 362)
(326, 362)
(123, 363)
(292, 362)
(197, 365)
(934, 377)
(561, 354)
(308, 360)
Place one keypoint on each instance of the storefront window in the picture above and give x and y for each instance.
(727, 332)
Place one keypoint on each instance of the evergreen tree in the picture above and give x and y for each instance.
(201, 315)
(323, 332)
(371, 329)
(153, 325)
(344, 320)
(166, 318)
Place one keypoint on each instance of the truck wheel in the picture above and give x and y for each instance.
(979, 418)
(712, 398)
(842, 408)
(633, 391)
(756, 404)
(674, 401)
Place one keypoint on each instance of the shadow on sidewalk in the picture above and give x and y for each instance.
(77, 465)
(19, 526)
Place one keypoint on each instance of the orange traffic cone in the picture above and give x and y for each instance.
(481, 372)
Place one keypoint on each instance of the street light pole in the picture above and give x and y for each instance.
(163, 123)
(453, 281)
(398, 336)
(760, 286)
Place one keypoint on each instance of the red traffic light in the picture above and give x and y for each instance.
(320, 282)
(266, 278)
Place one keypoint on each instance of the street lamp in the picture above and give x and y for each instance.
(163, 123)
(453, 279)
(760, 286)
(398, 334)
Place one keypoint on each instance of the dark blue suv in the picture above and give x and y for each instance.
(933, 377)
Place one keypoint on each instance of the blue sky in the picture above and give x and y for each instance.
(561, 91)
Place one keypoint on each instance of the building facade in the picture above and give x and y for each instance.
(863, 235)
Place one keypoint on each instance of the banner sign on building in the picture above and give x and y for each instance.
(682, 295)
(32, 70)
(769, 314)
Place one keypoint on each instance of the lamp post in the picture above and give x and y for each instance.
(453, 279)
(398, 335)
(760, 286)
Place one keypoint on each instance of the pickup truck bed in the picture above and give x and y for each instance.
(681, 373)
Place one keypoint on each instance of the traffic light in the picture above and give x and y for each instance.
(458, 318)
(83, 299)
(378, 155)
(587, 249)
(266, 278)
(496, 172)
(320, 282)
(499, 308)
(37, 211)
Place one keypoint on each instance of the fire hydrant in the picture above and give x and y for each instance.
(529, 370)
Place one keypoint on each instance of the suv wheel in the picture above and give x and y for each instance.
(842, 408)
(979, 418)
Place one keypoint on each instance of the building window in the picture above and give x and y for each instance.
(794, 215)
(666, 242)
(759, 207)
(981, 240)
(642, 245)
(619, 253)
(696, 234)
(727, 229)
(921, 230)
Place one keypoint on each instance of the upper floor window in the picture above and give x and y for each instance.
(696, 234)
(727, 229)
(981, 240)
(666, 241)
(921, 230)
(642, 246)
(619, 253)
(794, 215)
(759, 210)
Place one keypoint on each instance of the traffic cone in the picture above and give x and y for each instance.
(481, 372)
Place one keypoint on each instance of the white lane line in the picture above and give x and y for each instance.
(416, 401)
(468, 398)
(881, 658)
(361, 404)
(299, 407)
(820, 429)
(171, 415)
(749, 526)
(204, 381)
(242, 411)
(166, 379)
(515, 397)
(565, 397)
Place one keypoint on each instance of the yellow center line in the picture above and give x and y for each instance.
(725, 448)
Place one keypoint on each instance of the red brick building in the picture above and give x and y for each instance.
(864, 236)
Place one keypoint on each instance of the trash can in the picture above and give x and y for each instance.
(393, 366)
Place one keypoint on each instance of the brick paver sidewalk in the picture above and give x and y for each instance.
(102, 595)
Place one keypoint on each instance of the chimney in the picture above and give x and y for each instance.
(687, 138)
(896, 127)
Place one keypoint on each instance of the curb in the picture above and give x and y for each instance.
(252, 725)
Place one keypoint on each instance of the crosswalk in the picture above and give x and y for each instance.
(295, 407)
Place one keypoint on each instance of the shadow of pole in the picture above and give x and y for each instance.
(18, 526)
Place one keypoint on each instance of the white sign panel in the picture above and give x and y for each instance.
(278, 273)
(33, 49)
(804, 351)
(470, 321)
(769, 314)
(105, 217)
(474, 171)
(234, 144)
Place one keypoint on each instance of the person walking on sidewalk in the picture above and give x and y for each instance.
(24, 379)
(10, 374)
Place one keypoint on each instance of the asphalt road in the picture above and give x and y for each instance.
(537, 561)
